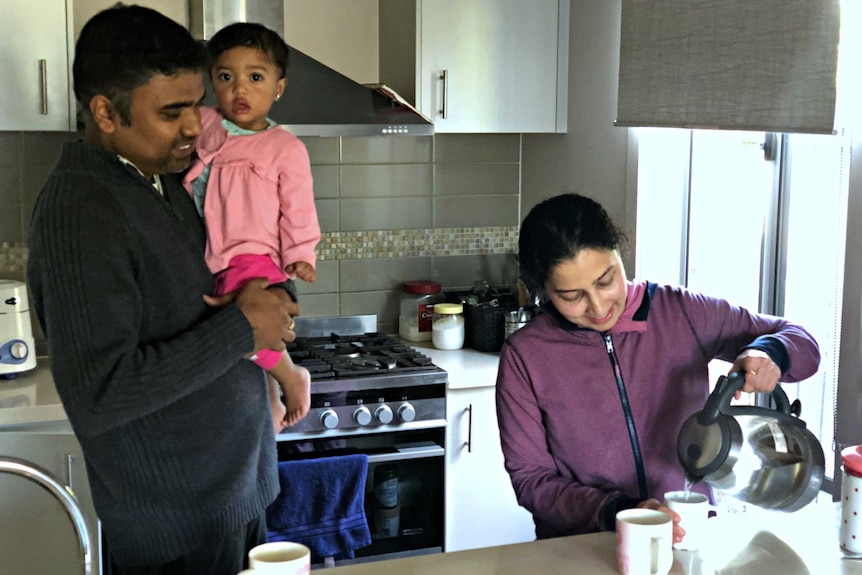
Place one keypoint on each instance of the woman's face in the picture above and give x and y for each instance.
(590, 289)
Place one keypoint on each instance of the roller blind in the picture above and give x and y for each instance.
(764, 65)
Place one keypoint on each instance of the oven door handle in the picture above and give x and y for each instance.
(404, 453)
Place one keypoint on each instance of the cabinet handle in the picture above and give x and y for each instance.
(444, 109)
(469, 442)
(69, 471)
(43, 80)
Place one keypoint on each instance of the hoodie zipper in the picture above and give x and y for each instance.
(627, 412)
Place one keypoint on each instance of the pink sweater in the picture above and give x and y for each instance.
(259, 197)
(562, 427)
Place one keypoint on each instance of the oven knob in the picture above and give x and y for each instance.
(329, 419)
(362, 416)
(383, 414)
(406, 412)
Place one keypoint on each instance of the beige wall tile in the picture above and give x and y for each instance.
(319, 305)
(327, 279)
(381, 274)
(389, 180)
(477, 148)
(322, 150)
(462, 272)
(11, 218)
(474, 179)
(10, 149)
(328, 215)
(43, 148)
(385, 150)
(385, 214)
(326, 181)
(475, 211)
(385, 304)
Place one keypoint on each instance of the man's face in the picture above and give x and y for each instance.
(165, 121)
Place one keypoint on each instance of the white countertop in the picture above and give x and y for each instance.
(812, 532)
(30, 397)
(466, 367)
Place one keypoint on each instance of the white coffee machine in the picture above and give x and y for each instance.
(17, 348)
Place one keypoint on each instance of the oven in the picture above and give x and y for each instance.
(372, 394)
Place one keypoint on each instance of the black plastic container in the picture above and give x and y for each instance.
(485, 325)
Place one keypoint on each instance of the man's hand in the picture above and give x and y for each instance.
(269, 311)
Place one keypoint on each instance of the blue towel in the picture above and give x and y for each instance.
(321, 505)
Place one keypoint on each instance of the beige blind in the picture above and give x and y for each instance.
(765, 65)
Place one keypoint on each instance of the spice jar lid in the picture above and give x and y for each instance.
(423, 287)
(448, 308)
(851, 458)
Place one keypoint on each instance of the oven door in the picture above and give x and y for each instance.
(407, 521)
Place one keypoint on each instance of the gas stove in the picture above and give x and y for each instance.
(364, 382)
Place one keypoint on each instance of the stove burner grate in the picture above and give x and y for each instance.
(356, 356)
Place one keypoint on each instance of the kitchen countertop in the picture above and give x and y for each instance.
(466, 367)
(30, 398)
(812, 532)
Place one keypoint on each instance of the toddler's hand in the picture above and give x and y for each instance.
(303, 270)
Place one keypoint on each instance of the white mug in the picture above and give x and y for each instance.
(850, 531)
(644, 542)
(693, 509)
(281, 558)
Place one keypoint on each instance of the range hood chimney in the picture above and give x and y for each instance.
(318, 100)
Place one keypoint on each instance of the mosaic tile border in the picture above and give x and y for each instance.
(376, 244)
(417, 243)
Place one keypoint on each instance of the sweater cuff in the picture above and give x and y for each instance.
(614, 506)
(774, 348)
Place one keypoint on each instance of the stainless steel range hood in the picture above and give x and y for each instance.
(318, 100)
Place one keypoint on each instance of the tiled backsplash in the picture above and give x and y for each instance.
(391, 209)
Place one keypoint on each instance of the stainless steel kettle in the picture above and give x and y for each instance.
(764, 456)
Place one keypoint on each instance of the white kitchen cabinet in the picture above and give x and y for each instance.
(35, 40)
(479, 65)
(481, 509)
(36, 534)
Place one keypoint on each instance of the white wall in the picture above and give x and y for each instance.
(341, 33)
(592, 157)
(83, 10)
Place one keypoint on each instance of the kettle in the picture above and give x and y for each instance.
(760, 455)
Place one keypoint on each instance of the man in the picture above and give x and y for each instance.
(173, 421)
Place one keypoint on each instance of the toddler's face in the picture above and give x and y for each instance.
(246, 83)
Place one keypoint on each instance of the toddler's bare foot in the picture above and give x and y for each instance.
(297, 395)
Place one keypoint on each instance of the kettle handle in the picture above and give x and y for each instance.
(719, 400)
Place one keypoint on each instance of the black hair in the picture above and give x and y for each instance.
(121, 48)
(250, 35)
(557, 229)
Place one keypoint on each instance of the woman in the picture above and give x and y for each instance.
(592, 393)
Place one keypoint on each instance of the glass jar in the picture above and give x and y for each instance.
(417, 304)
(447, 327)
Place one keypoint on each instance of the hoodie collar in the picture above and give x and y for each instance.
(634, 316)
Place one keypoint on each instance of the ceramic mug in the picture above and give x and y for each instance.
(850, 531)
(693, 509)
(281, 558)
(644, 542)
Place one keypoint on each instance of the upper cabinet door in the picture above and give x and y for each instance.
(493, 65)
(35, 94)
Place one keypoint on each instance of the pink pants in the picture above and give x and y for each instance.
(239, 272)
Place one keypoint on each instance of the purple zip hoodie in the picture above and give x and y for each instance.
(562, 425)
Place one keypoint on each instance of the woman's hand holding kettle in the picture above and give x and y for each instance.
(761, 373)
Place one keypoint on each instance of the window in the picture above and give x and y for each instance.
(757, 219)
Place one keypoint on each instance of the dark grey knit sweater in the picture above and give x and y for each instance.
(174, 424)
